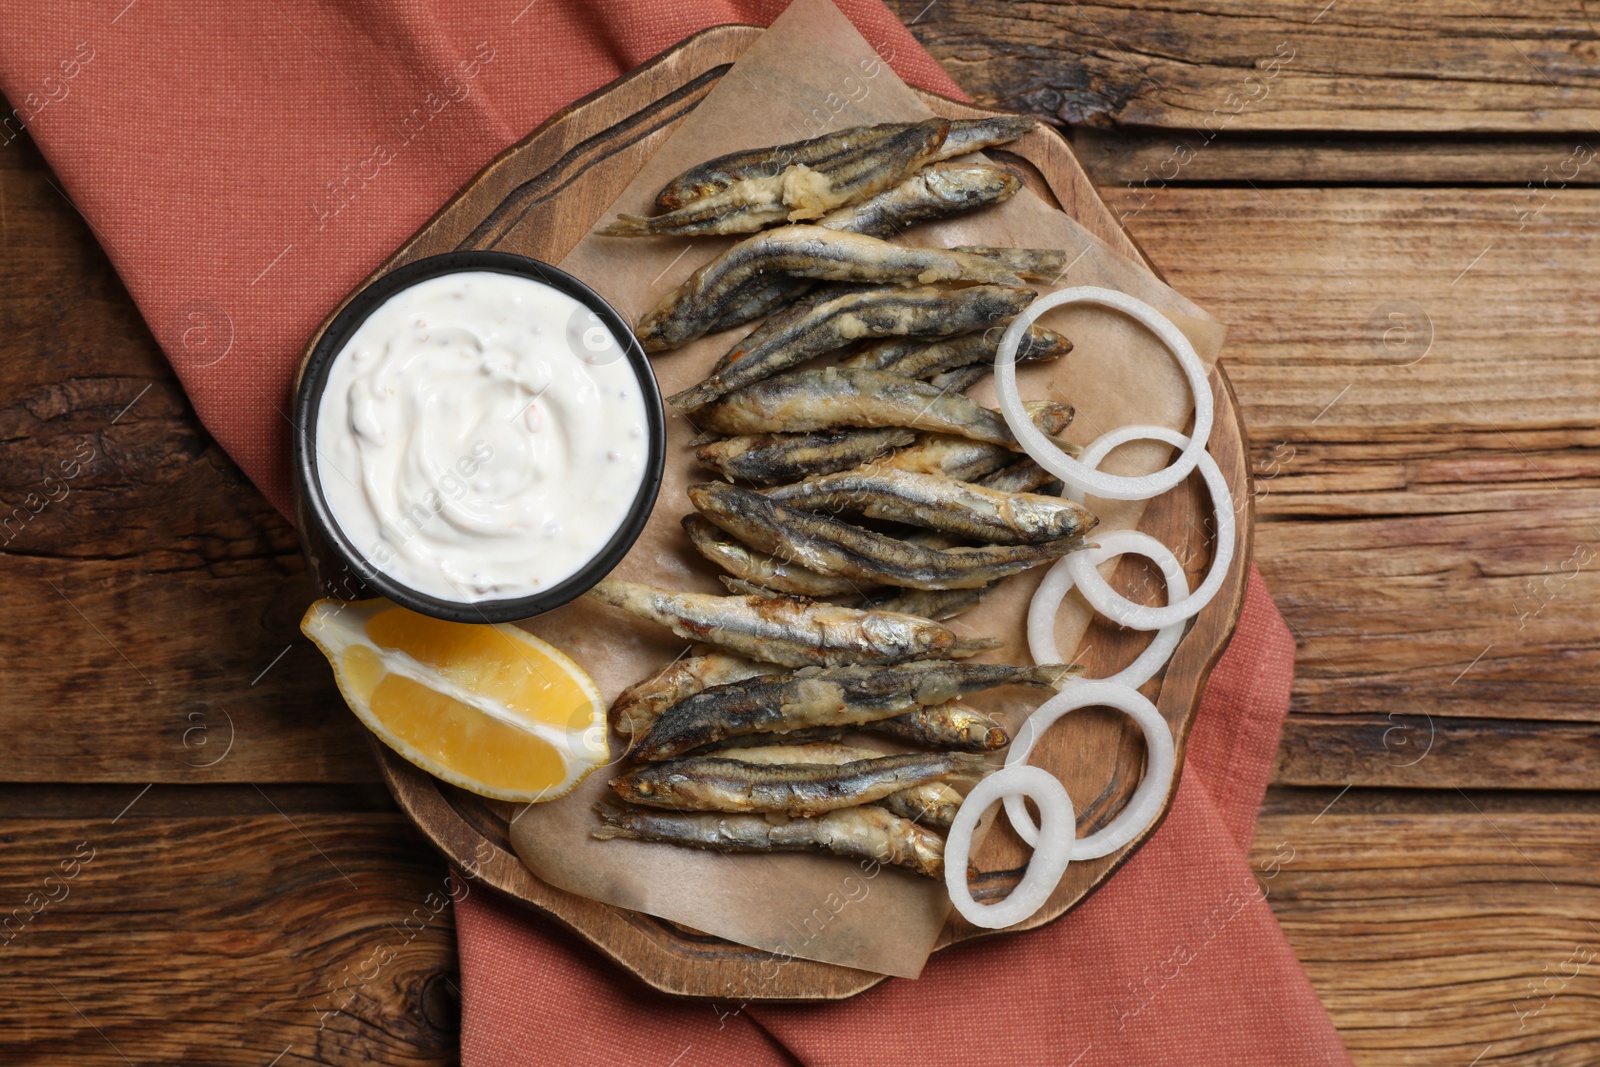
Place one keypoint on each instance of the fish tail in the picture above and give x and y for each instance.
(971, 646)
(630, 226)
(1063, 545)
(611, 823)
(695, 397)
(1053, 674)
(740, 587)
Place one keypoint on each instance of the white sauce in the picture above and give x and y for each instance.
(481, 437)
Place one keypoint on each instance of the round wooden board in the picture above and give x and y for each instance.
(538, 198)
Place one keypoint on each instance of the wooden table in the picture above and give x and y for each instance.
(1396, 213)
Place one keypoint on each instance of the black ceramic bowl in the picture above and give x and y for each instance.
(338, 565)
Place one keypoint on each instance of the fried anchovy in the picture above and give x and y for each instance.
(692, 309)
(920, 358)
(778, 298)
(1042, 264)
(761, 571)
(961, 136)
(758, 568)
(715, 783)
(835, 315)
(759, 298)
(931, 804)
(968, 460)
(827, 696)
(1023, 477)
(937, 604)
(828, 546)
(764, 295)
(859, 833)
(938, 502)
(791, 631)
(951, 726)
(974, 135)
(799, 191)
(937, 192)
(637, 706)
(934, 193)
(748, 587)
(717, 174)
(783, 342)
(807, 400)
(783, 457)
(958, 457)
(729, 747)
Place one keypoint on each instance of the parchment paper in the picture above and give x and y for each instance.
(810, 73)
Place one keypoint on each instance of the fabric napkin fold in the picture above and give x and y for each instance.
(246, 165)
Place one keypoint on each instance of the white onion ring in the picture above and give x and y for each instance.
(1059, 581)
(1141, 809)
(1118, 608)
(1077, 473)
(1049, 860)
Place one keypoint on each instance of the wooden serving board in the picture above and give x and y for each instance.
(538, 198)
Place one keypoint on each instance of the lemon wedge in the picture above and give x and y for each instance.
(489, 708)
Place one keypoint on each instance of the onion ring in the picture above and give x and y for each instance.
(1058, 582)
(1045, 867)
(1141, 809)
(1118, 608)
(1047, 454)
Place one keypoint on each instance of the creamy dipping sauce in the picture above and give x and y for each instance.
(481, 436)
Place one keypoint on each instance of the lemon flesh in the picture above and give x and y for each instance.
(489, 708)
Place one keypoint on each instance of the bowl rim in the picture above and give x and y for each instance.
(312, 506)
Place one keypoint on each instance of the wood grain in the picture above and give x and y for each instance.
(1429, 511)
(1354, 65)
(1423, 750)
(316, 938)
(1528, 164)
(538, 199)
(1451, 937)
(1432, 976)
(1388, 295)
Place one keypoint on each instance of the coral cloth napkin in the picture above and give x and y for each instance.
(246, 165)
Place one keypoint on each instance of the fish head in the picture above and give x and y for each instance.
(961, 186)
(636, 785)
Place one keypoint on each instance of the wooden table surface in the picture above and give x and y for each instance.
(1395, 209)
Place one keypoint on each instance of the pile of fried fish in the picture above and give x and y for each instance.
(862, 502)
